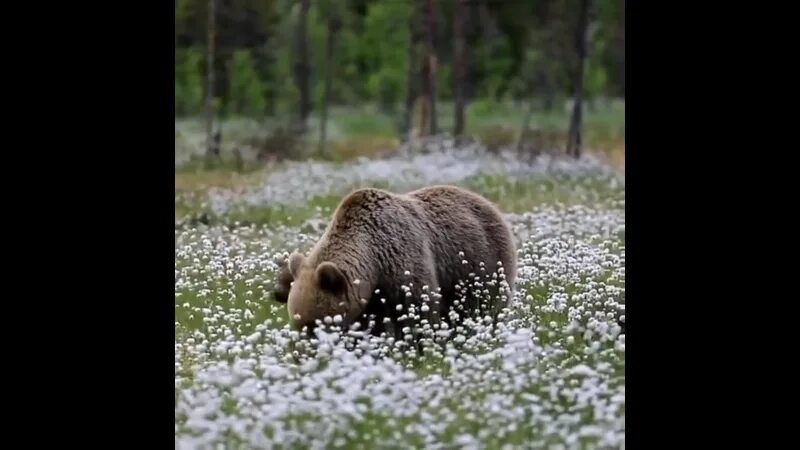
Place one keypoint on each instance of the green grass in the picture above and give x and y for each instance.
(366, 131)
(607, 118)
(510, 195)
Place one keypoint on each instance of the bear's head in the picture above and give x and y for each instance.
(319, 290)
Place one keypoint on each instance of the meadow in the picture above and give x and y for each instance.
(548, 372)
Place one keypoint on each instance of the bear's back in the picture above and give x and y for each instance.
(374, 212)
(456, 224)
(461, 221)
(375, 228)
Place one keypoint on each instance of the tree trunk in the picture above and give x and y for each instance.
(425, 82)
(422, 104)
(212, 151)
(412, 87)
(460, 68)
(432, 62)
(301, 65)
(545, 70)
(332, 28)
(526, 123)
(574, 140)
(621, 48)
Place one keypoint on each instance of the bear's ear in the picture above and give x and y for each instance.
(295, 260)
(331, 279)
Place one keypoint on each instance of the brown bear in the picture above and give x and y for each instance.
(388, 258)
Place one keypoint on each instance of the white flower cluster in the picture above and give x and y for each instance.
(547, 371)
(300, 181)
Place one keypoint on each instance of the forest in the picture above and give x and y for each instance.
(400, 68)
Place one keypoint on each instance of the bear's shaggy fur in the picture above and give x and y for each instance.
(432, 243)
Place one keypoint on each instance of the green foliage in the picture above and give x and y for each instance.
(596, 80)
(246, 90)
(348, 81)
(510, 45)
(386, 86)
(181, 15)
(493, 62)
(444, 81)
(188, 81)
(383, 48)
(596, 76)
